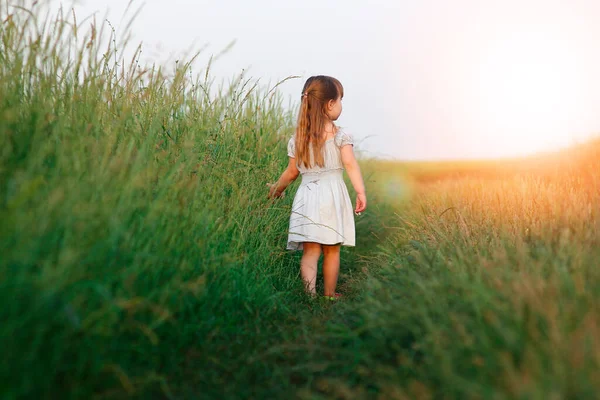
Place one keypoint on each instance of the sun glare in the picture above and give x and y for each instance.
(530, 92)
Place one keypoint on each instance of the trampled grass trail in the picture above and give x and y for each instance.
(140, 257)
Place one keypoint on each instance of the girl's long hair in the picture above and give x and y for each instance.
(317, 92)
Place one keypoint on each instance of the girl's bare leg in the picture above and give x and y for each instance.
(308, 265)
(331, 268)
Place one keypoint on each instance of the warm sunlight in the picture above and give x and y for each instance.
(426, 80)
(531, 91)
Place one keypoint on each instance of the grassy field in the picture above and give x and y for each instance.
(140, 257)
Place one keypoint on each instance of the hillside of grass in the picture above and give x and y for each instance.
(141, 258)
(136, 236)
(544, 164)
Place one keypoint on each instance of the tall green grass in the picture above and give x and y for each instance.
(138, 245)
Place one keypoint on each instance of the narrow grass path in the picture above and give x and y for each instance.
(296, 356)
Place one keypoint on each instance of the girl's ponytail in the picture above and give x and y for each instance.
(302, 131)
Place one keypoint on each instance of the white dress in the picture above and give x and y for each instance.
(322, 211)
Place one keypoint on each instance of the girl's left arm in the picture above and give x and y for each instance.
(287, 177)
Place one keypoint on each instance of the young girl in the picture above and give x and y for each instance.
(321, 219)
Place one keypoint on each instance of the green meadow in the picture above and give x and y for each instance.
(141, 258)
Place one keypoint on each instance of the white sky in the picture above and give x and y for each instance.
(426, 79)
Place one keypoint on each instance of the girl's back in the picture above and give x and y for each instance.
(331, 154)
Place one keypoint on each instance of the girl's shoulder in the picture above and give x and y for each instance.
(343, 138)
(291, 147)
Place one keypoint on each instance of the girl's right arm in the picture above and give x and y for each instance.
(353, 170)
(287, 177)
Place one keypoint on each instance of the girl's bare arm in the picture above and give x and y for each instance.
(287, 177)
(353, 171)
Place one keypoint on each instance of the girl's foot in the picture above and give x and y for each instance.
(335, 297)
